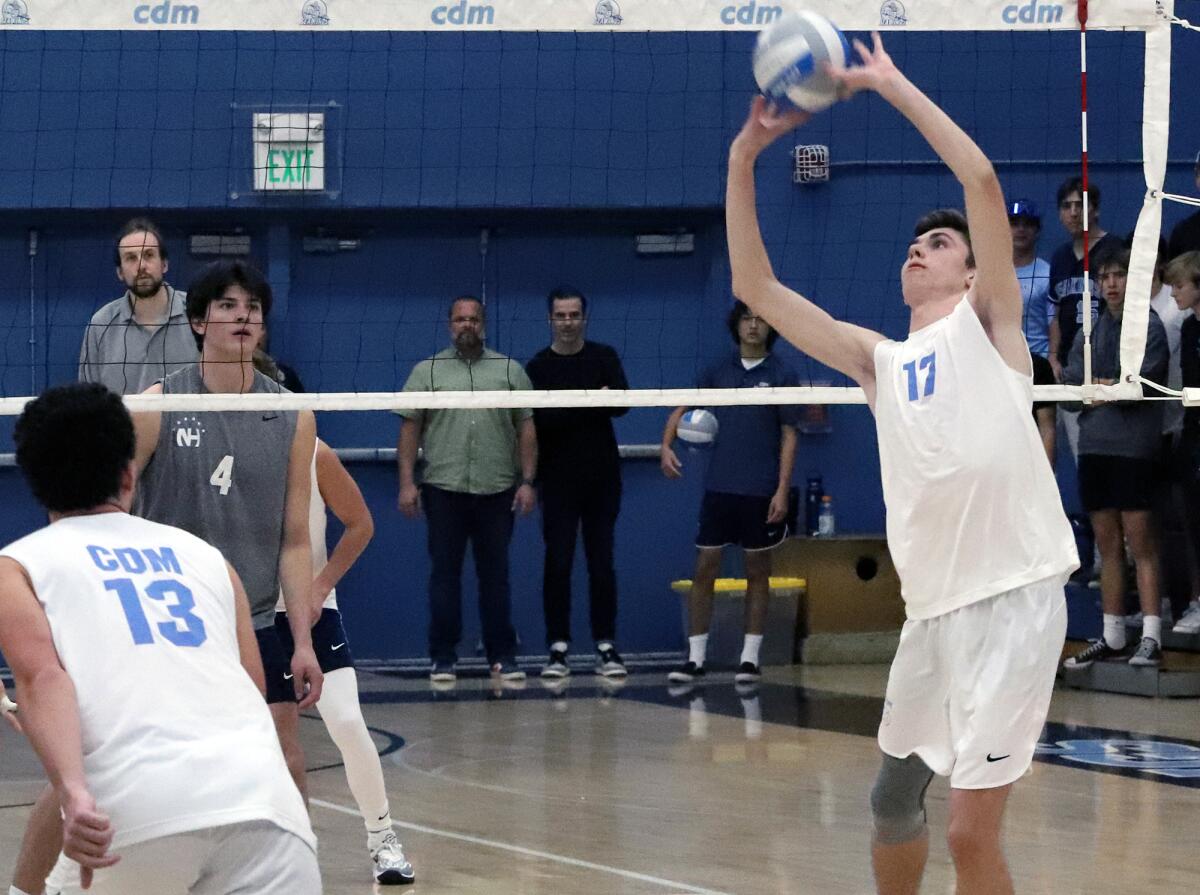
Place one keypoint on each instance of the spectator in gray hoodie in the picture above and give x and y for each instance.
(1118, 444)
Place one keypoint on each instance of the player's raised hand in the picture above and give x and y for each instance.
(87, 834)
(766, 123)
(875, 71)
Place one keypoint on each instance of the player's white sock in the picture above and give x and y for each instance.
(375, 837)
(1152, 627)
(697, 647)
(560, 646)
(750, 648)
(340, 711)
(1114, 631)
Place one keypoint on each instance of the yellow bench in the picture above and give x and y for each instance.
(737, 586)
(727, 628)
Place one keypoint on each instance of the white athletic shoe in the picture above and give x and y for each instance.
(391, 867)
(1190, 622)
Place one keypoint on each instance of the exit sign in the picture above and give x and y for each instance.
(289, 151)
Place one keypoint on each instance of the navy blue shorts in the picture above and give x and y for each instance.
(328, 639)
(738, 519)
(277, 665)
(1116, 483)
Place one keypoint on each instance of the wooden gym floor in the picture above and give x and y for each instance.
(641, 791)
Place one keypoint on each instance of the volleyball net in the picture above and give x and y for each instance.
(377, 160)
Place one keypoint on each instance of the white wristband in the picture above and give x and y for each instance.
(7, 706)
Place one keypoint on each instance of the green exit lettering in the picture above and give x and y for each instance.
(289, 166)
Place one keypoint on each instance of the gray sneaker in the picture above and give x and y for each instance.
(1148, 653)
(391, 867)
(609, 663)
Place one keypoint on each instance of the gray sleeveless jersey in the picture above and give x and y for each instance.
(223, 477)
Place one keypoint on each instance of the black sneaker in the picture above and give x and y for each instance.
(686, 673)
(748, 673)
(1097, 651)
(1148, 653)
(508, 670)
(609, 664)
(556, 666)
(442, 673)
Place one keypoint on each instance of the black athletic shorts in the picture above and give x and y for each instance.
(738, 519)
(276, 665)
(328, 639)
(1116, 483)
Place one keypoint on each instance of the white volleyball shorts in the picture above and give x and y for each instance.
(969, 690)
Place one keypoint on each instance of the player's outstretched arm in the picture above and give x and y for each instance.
(341, 494)
(996, 294)
(842, 346)
(50, 711)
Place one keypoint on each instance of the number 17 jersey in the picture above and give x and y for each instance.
(972, 506)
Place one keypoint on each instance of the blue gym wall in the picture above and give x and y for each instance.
(562, 146)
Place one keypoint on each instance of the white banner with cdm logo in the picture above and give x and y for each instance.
(565, 15)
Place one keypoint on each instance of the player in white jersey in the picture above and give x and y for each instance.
(333, 487)
(975, 524)
(139, 677)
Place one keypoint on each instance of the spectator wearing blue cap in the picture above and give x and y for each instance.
(1185, 237)
(1033, 273)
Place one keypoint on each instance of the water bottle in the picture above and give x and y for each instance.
(812, 504)
(826, 528)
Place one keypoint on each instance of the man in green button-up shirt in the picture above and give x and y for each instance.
(479, 471)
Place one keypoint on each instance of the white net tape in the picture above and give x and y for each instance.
(675, 397)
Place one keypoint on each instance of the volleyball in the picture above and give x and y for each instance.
(698, 427)
(789, 59)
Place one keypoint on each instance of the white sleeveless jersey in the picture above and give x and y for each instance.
(972, 506)
(316, 537)
(175, 735)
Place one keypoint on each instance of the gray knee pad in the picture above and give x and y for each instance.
(898, 799)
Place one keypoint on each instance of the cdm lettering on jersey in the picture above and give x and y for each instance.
(135, 560)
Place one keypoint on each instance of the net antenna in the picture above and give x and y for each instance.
(1156, 103)
(812, 164)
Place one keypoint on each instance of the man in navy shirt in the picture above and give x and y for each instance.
(1066, 284)
(745, 489)
(1066, 267)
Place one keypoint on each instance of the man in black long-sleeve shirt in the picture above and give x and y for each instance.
(579, 481)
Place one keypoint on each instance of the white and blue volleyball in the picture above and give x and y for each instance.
(697, 427)
(789, 60)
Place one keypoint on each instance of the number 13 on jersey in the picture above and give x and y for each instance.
(926, 366)
(222, 476)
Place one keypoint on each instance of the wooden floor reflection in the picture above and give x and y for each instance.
(640, 789)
